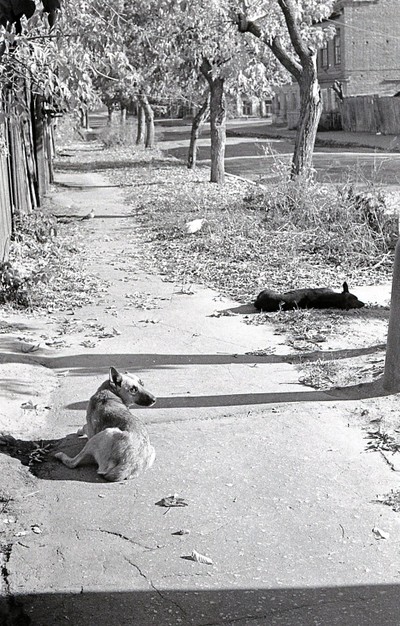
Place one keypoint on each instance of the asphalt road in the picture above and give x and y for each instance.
(261, 159)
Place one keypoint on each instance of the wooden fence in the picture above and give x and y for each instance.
(25, 164)
(371, 114)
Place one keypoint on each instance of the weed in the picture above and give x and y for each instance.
(14, 288)
(114, 136)
(320, 374)
(38, 224)
(391, 499)
(318, 219)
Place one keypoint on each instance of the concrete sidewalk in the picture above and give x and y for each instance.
(280, 491)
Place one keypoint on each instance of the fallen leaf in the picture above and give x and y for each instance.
(88, 344)
(172, 500)
(182, 531)
(199, 558)
(26, 348)
(28, 405)
(380, 534)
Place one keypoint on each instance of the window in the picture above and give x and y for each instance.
(247, 108)
(324, 94)
(323, 56)
(337, 49)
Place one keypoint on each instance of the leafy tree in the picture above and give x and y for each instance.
(197, 43)
(288, 28)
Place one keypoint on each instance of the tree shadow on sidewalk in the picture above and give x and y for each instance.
(369, 312)
(360, 391)
(96, 166)
(339, 605)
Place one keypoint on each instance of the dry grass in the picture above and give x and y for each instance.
(50, 264)
(330, 373)
(293, 236)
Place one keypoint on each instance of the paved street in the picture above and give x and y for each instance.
(259, 158)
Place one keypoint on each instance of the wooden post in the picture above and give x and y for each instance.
(39, 142)
(391, 377)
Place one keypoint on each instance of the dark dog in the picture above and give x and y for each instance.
(117, 440)
(319, 298)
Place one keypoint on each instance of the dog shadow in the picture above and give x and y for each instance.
(369, 311)
(242, 309)
(38, 457)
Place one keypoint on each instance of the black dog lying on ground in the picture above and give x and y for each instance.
(319, 298)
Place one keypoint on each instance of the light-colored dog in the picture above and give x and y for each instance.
(118, 441)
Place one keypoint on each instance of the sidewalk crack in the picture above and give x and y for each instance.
(129, 539)
(12, 612)
(152, 585)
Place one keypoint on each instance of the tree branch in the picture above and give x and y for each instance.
(292, 66)
(289, 13)
(247, 26)
(205, 69)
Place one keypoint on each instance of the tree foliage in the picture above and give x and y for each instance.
(289, 29)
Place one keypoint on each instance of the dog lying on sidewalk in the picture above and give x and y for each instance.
(319, 298)
(117, 440)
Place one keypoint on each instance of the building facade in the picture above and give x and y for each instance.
(363, 58)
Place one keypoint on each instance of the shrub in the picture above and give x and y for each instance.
(114, 136)
(345, 226)
(38, 224)
(14, 287)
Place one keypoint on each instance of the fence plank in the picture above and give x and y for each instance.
(371, 114)
(5, 200)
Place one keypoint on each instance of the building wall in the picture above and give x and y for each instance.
(371, 47)
(364, 58)
(286, 105)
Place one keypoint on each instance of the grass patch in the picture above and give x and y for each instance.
(251, 239)
(295, 235)
(46, 268)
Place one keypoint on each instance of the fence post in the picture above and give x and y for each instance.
(391, 376)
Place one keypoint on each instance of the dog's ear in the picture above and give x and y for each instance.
(115, 377)
(345, 288)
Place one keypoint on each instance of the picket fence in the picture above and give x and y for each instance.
(26, 151)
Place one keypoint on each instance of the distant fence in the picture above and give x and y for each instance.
(25, 164)
(371, 114)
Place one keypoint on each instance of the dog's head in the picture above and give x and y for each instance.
(130, 388)
(350, 301)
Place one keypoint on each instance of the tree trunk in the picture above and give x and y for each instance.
(149, 119)
(110, 110)
(123, 115)
(198, 121)
(140, 125)
(310, 113)
(217, 122)
(304, 71)
(218, 130)
(84, 118)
